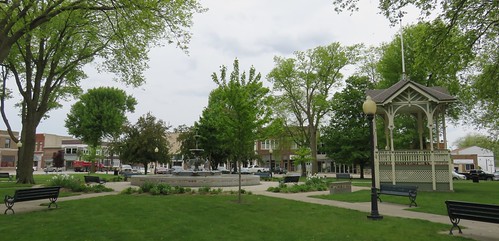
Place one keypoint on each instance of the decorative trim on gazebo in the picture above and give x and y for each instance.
(426, 167)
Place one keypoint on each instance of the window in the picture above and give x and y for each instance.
(469, 167)
(7, 143)
(269, 144)
(71, 150)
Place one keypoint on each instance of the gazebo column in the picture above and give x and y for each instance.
(432, 154)
(444, 129)
(391, 126)
(387, 133)
(420, 130)
(437, 130)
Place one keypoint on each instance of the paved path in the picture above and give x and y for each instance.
(475, 230)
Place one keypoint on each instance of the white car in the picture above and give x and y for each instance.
(457, 176)
(496, 176)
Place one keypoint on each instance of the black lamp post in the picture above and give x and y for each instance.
(369, 108)
(270, 162)
(156, 150)
(19, 156)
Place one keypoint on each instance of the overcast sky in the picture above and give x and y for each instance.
(254, 31)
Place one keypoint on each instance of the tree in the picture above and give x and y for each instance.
(478, 140)
(58, 159)
(303, 156)
(424, 63)
(22, 17)
(43, 46)
(478, 21)
(139, 142)
(210, 128)
(302, 88)
(477, 17)
(346, 137)
(243, 109)
(99, 114)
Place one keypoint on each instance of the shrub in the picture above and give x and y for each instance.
(147, 186)
(178, 190)
(99, 188)
(204, 190)
(68, 182)
(129, 190)
(164, 188)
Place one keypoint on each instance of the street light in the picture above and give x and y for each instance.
(156, 150)
(270, 161)
(19, 145)
(369, 108)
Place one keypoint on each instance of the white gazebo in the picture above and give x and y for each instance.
(429, 165)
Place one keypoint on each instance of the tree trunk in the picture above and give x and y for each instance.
(26, 154)
(303, 169)
(313, 149)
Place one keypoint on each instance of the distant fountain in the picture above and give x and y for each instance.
(193, 165)
(193, 176)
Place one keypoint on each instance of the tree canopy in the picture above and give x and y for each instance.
(346, 137)
(302, 87)
(478, 140)
(139, 142)
(100, 113)
(126, 24)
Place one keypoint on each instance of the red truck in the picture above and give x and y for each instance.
(83, 166)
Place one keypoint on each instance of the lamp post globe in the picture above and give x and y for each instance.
(369, 108)
(156, 150)
(270, 161)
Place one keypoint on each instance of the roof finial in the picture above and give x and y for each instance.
(402, 46)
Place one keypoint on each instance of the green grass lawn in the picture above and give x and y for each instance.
(8, 188)
(209, 217)
(433, 202)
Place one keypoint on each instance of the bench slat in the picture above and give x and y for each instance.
(458, 210)
(399, 190)
(21, 195)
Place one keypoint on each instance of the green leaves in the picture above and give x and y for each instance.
(139, 141)
(99, 113)
(302, 87)
(237, 109)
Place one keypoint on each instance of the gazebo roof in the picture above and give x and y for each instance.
(439, 94)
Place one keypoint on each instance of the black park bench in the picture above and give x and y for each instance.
(399, 190)
(6, 175)
(458, 210)
(287, 179)
(22, 195)
(93, 179)
(343, 176)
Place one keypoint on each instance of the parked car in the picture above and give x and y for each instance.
(496, 176)
(457, 176)
(478, 174)
(126, 169)
(223, 170)
(138, 170)
(279, 170)
(162, 170)
(245, 170)
(256, 168)
(52, 169)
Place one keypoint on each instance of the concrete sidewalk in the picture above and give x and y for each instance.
(475, 230)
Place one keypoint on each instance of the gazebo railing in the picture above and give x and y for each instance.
(414, 157)
(430, 170)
